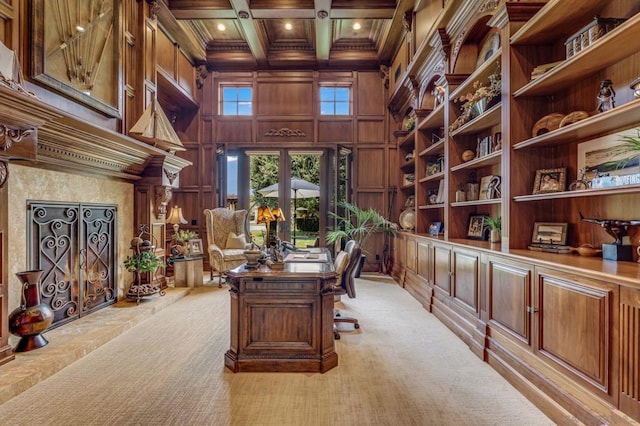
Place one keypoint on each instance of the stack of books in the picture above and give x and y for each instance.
(541, 69)
(550, 248)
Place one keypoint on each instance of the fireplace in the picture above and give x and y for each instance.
(75, 245)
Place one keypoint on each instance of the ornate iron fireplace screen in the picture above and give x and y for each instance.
(75, 246)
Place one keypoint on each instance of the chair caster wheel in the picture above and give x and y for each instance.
(356, 325)
(336, 336)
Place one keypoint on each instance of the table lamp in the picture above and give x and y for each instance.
(278, 216)
(265, 216)
(176, 218)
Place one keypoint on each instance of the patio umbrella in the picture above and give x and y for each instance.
(300, 188)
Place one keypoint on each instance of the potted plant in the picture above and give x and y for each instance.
(142, 262)
(494, 224)
(359, 224)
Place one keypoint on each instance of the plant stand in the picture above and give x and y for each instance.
(138, 288)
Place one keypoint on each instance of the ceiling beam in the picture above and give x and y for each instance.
(323, 29)
(251, 34)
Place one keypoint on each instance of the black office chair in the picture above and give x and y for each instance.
(347, 283)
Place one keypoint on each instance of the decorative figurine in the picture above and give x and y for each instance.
(635, 86)
(606, 97)
(617, 229)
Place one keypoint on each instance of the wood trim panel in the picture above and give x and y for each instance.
(630, 352)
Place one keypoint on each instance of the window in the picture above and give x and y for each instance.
(236, 100)
(335, 101)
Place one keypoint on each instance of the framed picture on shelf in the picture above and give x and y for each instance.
(609, 154)
(435, 228)
(549, 180)
(477, 229)
(549, 233)
(485, 187)
(411, 201)
(195, 246)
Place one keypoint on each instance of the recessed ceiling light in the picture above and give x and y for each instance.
(221, 27)
(80, 28)
(356, 26)
(288, 26)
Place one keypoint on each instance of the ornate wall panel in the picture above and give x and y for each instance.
(285, 131)
(234, 131)
(509, 295)
(75, 246)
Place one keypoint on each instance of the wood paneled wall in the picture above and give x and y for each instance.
(290, 99)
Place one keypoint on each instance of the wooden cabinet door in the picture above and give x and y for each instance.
(575, 327)
(412, 254)
(424, 261)
(442, 267)
(466, 278)
(509, 287)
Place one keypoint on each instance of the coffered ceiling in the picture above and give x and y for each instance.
(321, 35)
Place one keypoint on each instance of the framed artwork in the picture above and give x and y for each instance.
(550, 180)
(607, 154)
(485, 187)
(435, 228)
(75, 50)
(477, 229)
(195, 246)
(411, 201)
(549, 233)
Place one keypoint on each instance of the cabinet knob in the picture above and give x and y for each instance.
(532, 310)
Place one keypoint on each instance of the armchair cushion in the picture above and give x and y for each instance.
(236, 241)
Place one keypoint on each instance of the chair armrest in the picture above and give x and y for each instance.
(216, 257)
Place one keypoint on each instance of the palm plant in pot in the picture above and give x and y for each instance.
(359, 224)
(494, 224)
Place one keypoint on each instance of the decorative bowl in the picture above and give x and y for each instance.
(587, 250)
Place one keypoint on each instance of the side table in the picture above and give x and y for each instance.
(187, 271)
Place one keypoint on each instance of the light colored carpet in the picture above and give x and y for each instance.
(403, 367)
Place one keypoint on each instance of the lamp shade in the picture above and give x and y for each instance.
(264, 215)
(278, 214)
(175, 216)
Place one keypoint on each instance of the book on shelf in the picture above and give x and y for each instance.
(541, 69)
(550, 248)
(440, 198)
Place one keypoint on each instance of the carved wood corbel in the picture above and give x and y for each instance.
(163, 197)
(202, 72)
(445, 40)
(10, 136)
(154, 8)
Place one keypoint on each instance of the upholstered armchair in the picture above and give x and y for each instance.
(226, 238)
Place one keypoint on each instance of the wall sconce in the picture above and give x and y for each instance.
(176, 218)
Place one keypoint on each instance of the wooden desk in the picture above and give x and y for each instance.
(282, 320)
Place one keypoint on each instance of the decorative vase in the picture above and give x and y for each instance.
(473, 191)
(31, 318)
(480, 107)
(495, 236)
